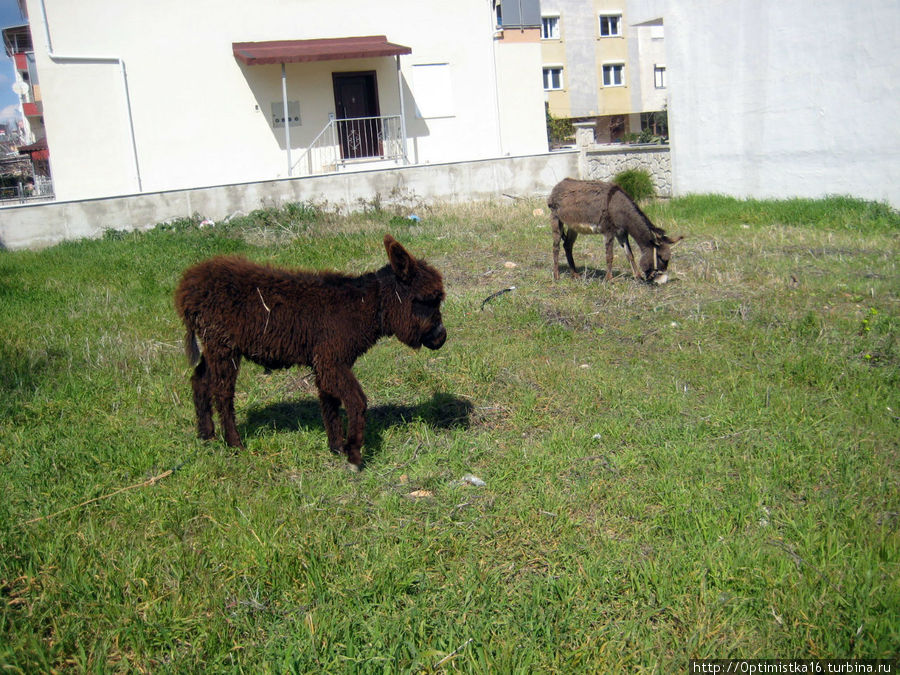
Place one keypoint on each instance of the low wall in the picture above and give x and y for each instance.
(604, 162)
(41, 225)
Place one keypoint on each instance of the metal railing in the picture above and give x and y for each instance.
(41, 190)
(351, 140)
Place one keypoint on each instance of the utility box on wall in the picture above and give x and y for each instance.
(278, 114)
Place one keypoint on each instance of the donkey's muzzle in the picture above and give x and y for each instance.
(436, 337)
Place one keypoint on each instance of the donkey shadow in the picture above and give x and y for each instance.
(591, 273)
(442, 411)
(587, 273)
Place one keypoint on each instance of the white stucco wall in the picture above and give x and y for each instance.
(520, 89)
(783, 99)
(647, 48)
(200, 117)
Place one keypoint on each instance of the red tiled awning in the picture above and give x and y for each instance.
(37, 150)
(327, 49)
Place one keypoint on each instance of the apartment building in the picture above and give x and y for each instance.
(597, 64)
(18, 46)
(31, 135)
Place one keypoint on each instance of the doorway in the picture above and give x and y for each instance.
(356, 101)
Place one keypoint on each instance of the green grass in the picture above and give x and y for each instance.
(705, 469)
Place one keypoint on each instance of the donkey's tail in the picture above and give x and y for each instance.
(191, 348)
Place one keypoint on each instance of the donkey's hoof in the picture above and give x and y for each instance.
(353, 468)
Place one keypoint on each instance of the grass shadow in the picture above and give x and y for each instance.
(24, 372)
(441, 411)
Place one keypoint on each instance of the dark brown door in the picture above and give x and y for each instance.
(356, 97)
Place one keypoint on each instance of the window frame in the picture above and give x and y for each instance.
(612, 68)
(609, 15)
(550, 17)
(659, 75)
(550, 68)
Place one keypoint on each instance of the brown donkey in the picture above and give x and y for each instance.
(592, 207)
(280, 318)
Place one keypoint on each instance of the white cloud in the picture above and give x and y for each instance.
(9, 114)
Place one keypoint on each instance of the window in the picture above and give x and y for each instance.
(498, 11)
(553, 78)
(614, 75)
(659, 76)
(32, 68)
(550, 28)
(433, 89)
(610, 25)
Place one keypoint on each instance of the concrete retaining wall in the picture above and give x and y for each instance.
(41, 225)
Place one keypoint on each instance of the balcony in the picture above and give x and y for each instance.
(35, 109)
(344, 142)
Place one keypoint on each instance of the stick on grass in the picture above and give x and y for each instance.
(453, 653)
(146, 483)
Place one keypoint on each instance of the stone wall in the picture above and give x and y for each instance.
(602, 163)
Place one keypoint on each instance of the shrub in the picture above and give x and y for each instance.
(637, 183)
(645, 136)
(559, 131)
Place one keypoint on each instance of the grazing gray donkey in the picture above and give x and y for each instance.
(596, 207)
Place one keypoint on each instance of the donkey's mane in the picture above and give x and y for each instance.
(657, 233)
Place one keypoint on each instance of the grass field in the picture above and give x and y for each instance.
(704, 469)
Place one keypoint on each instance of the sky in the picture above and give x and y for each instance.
(9, 101)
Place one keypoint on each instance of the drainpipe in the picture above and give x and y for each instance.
(59, 58)
(287, 122)
(402, 112)
(494, 47)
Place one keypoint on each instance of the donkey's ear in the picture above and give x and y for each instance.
(403, 264)
(672, 242)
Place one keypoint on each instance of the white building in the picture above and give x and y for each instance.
(647, 50)
(782, 99)
(144, 97)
